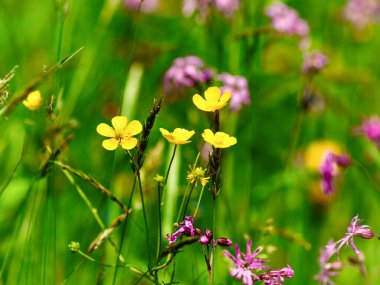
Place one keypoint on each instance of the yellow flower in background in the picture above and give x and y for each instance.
(178, 136)
(121, 134)
(33, 100)
(219, 139)
(314, 152)
(213, 100)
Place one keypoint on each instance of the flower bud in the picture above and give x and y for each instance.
(224, 241)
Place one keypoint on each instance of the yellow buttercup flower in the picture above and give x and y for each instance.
(121, 134)
(219, 139)
(213, 100)
(178, 136)
(33, 100)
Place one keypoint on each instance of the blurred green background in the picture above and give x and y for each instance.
(266, 196)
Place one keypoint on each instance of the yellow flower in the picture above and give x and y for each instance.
(121, 134)
(219, 139)
(178, 136)
(33, 100)
(213, 101)
(314, 152)
(197, 174)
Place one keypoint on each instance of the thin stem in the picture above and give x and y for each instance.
(61, 20)
(123, 233)
(159, 240)
(170, 164)
(199, 202)
(213, 230)
(188, 199)
(183, 201)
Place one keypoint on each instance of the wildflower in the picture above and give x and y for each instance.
(121, 134)
(238, 87)
(276, 276)
(33, 100)
(146, 6)
(328, 269)
(244, 264)
(219, 139)
(187, 72)
(197, 174)
(286, 20)
(159, 179)
(328, 169)
(362, 13)
(208, 239)
(226, 7)
(224, 241)
(186, 228)
(314, 153)
(213, 100)
(354, 230)
(314, 62)
(371, 129)
(178, 136)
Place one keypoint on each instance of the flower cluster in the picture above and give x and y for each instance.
(33, 101)
(188, 72)
(329, 268)
(314, 62)
(328, 169)
(238, 87)
(371, 129)
(247, 266)
(197, 174)
(226, 7)
(286, 20)
(361, 13)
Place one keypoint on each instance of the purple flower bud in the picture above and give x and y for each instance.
(186, 228)
(204, 240)
(371, 129)
(226, 242)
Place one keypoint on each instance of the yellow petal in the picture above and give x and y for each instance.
(232, 141)
(133, 128)
(169, 137)
(119, 123)
(33, 100)
(182, 134)
(164, 132)
(128, 142)
(105, 130)
(225, 97)
(207, 134)
(110, 144)
(200, 103)
(212, 94)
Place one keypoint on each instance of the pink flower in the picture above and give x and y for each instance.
(146, 6)
(327, 268)
(371, 129)
(238, 87)
(314, 62)
(186, 228)
(244, 264)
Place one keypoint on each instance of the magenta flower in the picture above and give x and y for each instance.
(286, 20)
(371, 129)
(328, 169)
(186, 72)
(354, 230)
(186, 228)
(244, 264)
(276, 276)
(238, 87)
(314, 62)
(227, 7)
(362, 13)
(328, 269)
(147, 6)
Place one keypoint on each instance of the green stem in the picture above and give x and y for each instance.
(159, 240)
(61, 20)
(199, 202)
(123, 233)
(183, 202)
(213, 231)
(188, 199)
(170, 164)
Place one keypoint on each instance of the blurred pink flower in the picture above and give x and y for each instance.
(314, 62)
(362, 13)
(226, 7)
(371, 129)
(186, 72)
(238, 87)
(147, 6)
(327, 268)
(286, 20)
